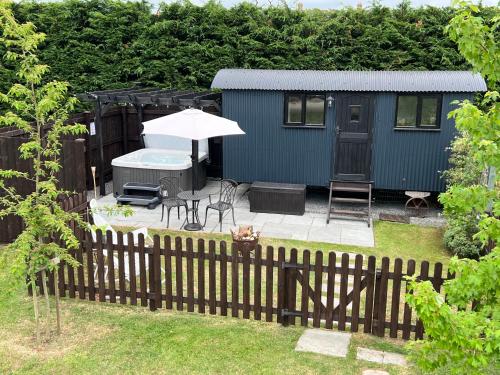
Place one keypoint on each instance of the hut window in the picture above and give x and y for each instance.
(418, 111)
(304, 109)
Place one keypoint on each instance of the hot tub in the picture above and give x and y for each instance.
(150, 164)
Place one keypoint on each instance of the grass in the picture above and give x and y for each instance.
(393, 240)
(108, 339)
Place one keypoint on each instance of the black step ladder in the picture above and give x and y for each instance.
(363, 195)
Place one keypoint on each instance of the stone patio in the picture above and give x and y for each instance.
(309, 227)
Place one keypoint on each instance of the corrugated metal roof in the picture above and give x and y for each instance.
(335, 80)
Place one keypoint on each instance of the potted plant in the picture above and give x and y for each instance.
(245, 238)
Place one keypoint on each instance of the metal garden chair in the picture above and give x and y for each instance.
(169, 190)
(226, 198)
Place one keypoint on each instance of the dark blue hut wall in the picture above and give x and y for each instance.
(270, 152)
(406, 159)
(401, 159)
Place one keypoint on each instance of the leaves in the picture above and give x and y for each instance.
(463, 332)
(103, 44)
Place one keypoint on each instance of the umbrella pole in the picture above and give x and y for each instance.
(194, 164)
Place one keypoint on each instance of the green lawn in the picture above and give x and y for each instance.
(107, 339)
(393, 240)
(112, 339)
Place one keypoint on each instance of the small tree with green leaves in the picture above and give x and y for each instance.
(463, 331)
(40, 109)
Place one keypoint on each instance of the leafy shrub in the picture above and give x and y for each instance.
(103, 44)
(458, 238)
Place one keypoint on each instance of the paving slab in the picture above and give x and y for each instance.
(309, 227)
(320, 341)
(374, 372)
(378, 356)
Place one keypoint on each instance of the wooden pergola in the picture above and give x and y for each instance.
(139, 97)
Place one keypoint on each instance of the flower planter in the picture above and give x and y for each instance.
(245, 247)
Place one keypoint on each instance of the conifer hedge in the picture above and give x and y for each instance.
(102, 44)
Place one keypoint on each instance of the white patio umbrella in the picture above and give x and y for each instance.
(193, 124)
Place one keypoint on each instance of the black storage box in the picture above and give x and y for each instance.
(277, 198)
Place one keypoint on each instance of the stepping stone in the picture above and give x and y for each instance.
(320, 341)
(374, 372)
(377, 356)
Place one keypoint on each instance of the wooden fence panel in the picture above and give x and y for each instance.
(127, 262)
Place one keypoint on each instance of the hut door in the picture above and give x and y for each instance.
(352, 159)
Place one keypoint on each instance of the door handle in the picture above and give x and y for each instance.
(337, 130)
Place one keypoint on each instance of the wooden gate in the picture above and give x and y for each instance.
(332, 290)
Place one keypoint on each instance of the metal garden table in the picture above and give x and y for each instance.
(195, 198)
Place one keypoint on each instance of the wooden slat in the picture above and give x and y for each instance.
(155, 284)
(190, 274)
(306, 259)
(80, 269)
(356, 289)
(318, 284)
(410, 271)
(71, 275)
(424, 274)
(178, 273)
(132, 256)
(234, 281)
(111, 266)
(437, 278)
(90, 266)
(281, 284)
(330, 290)
(370, 283)
(201, 276)
(344, 280)
(142, 271)
(223, 278)
(167, 244)
(100, 268)
(382, 305)
(257, 288)
(121, 268)
(246, 285)
(292, 285)
(212, 291)
(396, 296)
(269, 283)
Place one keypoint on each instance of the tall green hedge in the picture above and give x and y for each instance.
(98, 44)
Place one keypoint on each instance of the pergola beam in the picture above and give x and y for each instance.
(139, 98)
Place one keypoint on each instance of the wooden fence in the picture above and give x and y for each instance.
(12, 226)
(350, 292)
